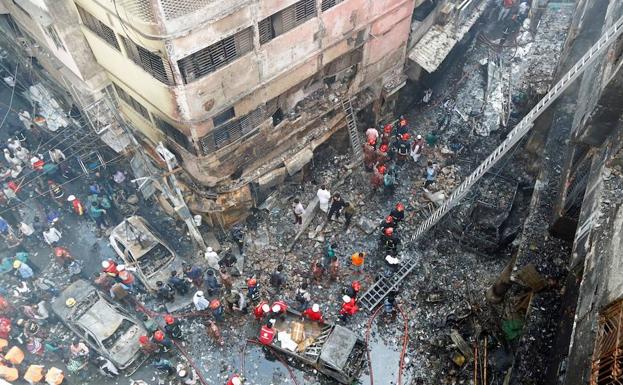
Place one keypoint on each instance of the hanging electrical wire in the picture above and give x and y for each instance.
(12, 95)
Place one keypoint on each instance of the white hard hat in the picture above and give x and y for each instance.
(105, 264)
(265, 308)
(419, 137)
(346, 298)
(276, 308)
(181, 373)
(120, 267)
(315, 308)
(71, 198)
(236, 381)
(209, 249)
(199, 293)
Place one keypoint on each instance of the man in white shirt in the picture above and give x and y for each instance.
(52, 236)
(324, 196)
(299, 210)
(212, 257)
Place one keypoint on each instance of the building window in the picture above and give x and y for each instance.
(608, 353)
(173, 133)
(51, 32)
(326, 4)
(223, 117)
(99, 28)
(231, 130)
(216, 55)
(286, 19)
(130, 101)
(154, 64)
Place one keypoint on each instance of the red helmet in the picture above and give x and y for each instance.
(59, 251)
(381, 169)
(383, 148)
(215, 303)
(388, 128)
(400, 206)
(371, 142)
(159, 336)
(251, 282)
(356, 285)
(169, 319)
(389, 231)
(143, 339)
(406, 136)
(389, 219)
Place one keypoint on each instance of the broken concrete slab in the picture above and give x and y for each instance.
(297, 161)
(367, 225)
(308, 216)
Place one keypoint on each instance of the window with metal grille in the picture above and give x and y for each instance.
(216, 55)
(130, 101)
(154, 64)
(231, 130)
(98, 28)
(53, 34)
(607, 365)
(326, 4)
(173, 133)
(286, 19)
(224, 116)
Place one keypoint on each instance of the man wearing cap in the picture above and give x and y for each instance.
(161, 339)
(23, 270)
(186, 375)
(200, 302)
(357, 259)
(267, 333)
(212, 258)
(165, 292)
(76, 205)
(147, 346)
(253, 289)
(372, 135)
(63, 256)
(126, 278)
(416, 148)
(235, 380)
(278, 308)
(217, 309)
(314, 313)
(349, 308)
(109, 267)
(337, 204)
(261, 310)
(172, 327)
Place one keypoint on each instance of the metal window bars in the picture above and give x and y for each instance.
(607, 363)
(98, 28)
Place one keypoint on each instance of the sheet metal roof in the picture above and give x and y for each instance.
(338, 346)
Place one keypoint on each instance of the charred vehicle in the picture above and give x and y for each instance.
(140, 247)
(103, 325)
(331, 349)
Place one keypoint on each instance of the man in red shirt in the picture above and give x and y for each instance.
(267, 334)
(349, 308)
(110, 268)
(261, 310)
(314, 313)
(279, 307)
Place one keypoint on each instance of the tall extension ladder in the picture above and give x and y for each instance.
(373, 296)
(352, 131)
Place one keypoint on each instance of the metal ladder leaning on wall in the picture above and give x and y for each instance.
(375, 294)
(355, 142)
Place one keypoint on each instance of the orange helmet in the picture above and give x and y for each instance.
(143, 339)
(371, 142)
(389, 231)
(389, 219)
(215, 303)
(381, 169)
(406, 136)
(384, 148)
(400, 206)
(356, 285)
(168, 319)
(251, 282)
(159, 336)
